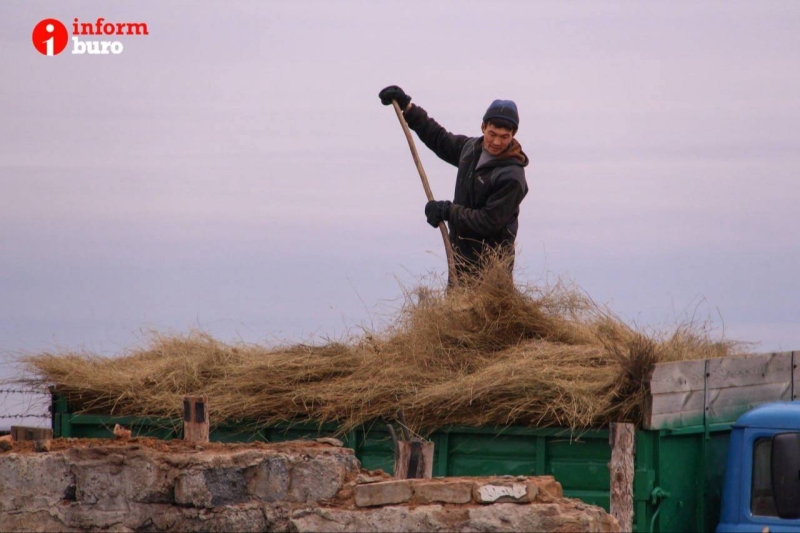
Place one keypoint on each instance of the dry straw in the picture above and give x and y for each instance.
(485, 353)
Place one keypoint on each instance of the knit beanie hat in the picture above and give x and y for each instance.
(506, 109)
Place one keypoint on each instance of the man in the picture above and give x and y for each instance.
(490, 183)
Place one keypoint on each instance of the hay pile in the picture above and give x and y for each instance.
(488, 353)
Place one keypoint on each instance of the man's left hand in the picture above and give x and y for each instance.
(437, 211)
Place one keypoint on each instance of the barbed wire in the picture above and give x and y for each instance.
(27, 416)
(25, 391)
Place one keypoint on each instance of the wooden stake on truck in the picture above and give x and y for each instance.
(195, 419)
(414, 459)
(413, 456)
(23, 433)
(622, 438)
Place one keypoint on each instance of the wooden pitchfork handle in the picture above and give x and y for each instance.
(451, 265)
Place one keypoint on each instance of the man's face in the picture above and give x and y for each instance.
(496, 140)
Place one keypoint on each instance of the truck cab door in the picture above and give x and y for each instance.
(786, 474)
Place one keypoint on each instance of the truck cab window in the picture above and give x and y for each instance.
(762, 502)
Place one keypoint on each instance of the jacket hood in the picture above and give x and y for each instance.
(514, 151)
(512, 155)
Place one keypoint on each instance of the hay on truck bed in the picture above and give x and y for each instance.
(489, 353)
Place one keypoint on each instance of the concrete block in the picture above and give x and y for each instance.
(540, 517)
(505, 491)
(318, 478)
(548, 485)
(31, 483)
(384, 493)
(441, 491)
(226, 485)
(191, 489)
(112, 480)
(270, 481)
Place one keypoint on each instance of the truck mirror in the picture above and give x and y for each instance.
(786, 474)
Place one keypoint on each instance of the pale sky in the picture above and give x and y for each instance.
(234, 170)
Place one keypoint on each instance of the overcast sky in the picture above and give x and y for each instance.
(234, 170)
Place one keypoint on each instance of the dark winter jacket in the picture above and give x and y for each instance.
(486, 200)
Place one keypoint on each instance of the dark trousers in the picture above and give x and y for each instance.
(467, 268)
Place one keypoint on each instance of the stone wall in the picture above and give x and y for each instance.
(146, 485)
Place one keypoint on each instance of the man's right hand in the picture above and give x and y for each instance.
(437, 211)
(393, 92)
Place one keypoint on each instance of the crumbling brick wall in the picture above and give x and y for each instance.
(146, 485)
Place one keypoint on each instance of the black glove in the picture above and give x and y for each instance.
(437, 211)
(393, 92)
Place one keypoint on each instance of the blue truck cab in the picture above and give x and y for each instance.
(761, 491)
